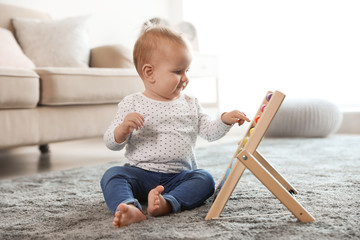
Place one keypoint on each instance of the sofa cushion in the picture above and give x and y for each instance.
(11, 54)
(19, 88)
(67, 86)
(111, 56)
(8, 12)
(54, 43)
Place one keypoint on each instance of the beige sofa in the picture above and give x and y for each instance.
(41, 105)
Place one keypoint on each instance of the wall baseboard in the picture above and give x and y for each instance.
(350, 123)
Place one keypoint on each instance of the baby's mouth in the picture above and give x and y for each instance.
(181, 86)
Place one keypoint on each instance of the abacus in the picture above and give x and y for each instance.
(248, 157)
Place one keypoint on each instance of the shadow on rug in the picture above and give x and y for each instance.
(326, 172)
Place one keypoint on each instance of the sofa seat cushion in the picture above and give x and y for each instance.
(19, 88)
(69, 86)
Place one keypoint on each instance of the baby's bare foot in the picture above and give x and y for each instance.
(157, 205)
(127, 215)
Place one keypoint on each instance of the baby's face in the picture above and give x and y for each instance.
(171, 64)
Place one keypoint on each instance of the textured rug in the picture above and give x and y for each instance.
(326, 172)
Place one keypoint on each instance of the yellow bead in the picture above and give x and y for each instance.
(245, 140)
(251, 130)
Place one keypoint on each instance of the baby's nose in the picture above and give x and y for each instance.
(184, 78)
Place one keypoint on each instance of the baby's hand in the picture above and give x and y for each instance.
(234, 117)
(131, 121)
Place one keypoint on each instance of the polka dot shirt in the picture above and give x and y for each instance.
(166, 142)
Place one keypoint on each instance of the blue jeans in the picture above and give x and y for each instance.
(184, 191)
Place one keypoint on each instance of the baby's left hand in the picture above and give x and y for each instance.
(234, 117)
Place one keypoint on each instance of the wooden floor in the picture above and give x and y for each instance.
(66, 155)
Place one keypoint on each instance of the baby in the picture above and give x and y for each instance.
(159, 128)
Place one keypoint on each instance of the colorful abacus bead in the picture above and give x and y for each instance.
(251, 131)
(245, 140)
(263, 107)
(268, 97)
(257, 118)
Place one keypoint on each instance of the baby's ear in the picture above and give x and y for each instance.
(148, 72)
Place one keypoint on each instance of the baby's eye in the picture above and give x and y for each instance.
(181, 71)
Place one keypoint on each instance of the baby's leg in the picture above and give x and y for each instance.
(191, 189)
(122, 188)
(127, 215)
(157, 205)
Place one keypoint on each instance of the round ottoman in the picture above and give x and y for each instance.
(305, 118)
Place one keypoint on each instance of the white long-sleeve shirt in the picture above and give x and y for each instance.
(166, 142)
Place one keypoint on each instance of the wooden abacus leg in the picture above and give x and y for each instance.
(226, 190)
(274, 173)
(275, 187)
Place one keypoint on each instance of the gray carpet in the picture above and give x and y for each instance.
(326, 172)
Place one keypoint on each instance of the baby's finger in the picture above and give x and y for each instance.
(140, 119)
(139, 122)
(241, 122)
(234, 120)
(133, 125)
(242, 115)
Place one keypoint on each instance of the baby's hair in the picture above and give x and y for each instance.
(153, 22)
(152, 35)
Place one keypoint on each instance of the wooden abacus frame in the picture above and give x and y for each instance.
(247, 157)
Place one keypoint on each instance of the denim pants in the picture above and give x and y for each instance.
(184, 191)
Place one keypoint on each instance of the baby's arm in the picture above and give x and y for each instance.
(131, 121)
(235, 116)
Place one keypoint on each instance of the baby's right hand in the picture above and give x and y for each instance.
(131, 121)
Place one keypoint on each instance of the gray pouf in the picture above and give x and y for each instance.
(305, 118)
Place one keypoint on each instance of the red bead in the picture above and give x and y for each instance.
(263, 107)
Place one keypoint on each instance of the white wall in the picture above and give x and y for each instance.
(308, 48)
(112, 22)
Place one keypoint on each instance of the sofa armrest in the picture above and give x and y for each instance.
(111, 56)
